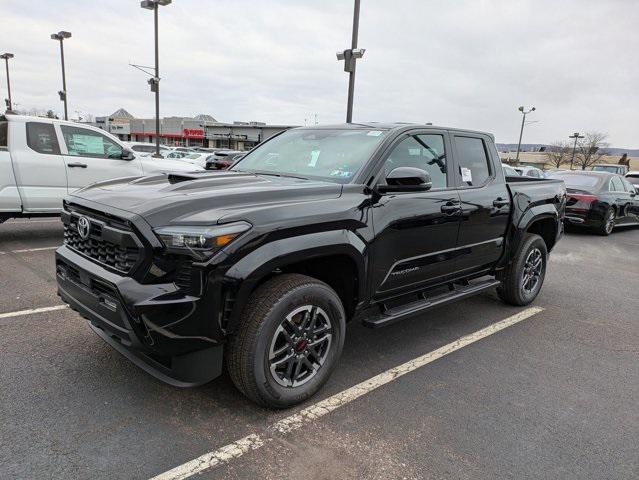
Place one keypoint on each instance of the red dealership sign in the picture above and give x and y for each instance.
(193, 133)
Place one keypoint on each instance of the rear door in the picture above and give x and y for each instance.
(485, 201)
(91, 156)
(38, 165)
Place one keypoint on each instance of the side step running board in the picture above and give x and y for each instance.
(396, 314)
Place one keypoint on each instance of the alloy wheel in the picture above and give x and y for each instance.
(610, 221)
(300, 346)
(533, 269)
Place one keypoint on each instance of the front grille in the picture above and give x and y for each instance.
(105, 244)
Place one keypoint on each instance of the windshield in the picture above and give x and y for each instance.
(333, 155)
(606, 168)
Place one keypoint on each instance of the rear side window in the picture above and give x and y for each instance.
(472, 157)
(41, 138)
(4, 131)
(616, 185)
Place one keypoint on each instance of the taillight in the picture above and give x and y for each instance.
(583, 197)
(581, 201)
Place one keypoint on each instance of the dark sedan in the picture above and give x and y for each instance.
(223, 159)
(599, 200)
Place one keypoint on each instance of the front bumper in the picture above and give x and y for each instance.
(170, 335)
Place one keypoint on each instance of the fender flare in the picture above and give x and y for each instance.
(251, 269)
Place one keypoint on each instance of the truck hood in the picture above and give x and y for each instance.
(203, 198)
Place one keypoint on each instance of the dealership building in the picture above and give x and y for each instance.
(198, 131)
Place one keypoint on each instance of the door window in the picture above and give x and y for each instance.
(616, 185)
(425, 152)
(41, 138)
(474, 168)
(82, 142)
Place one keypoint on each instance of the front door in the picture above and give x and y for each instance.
(93, 157)
(415, 232)
(485, 202)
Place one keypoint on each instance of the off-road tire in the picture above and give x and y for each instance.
(511, 289)
(247, 356)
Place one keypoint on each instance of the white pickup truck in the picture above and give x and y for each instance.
(42, 160)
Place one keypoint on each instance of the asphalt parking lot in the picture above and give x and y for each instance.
(554, 395)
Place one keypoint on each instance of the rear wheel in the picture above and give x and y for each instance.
(523, 278)
(288, 342)
(608, 223)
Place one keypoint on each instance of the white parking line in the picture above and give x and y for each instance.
(31, 311)
(27, 250)
(254, 441)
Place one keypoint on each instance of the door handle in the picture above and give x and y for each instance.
(451, 208)
(79, 165)
(500, 202)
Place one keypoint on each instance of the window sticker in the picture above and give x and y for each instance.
(374, 133)
(467, 175)
(314, 156)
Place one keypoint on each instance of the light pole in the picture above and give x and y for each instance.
(576, 136)
(521, 132)
(6, 57)
(154, 81)
(63, 93)
(350, 57)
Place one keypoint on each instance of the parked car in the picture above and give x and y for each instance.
(610, 168)
(509, 171)
(528, 171)
(261, 266)
(599, 200)
(147, 149)
(633, 177)
(42, 160)
(177, 154)
(198, 159)
(223, 159)
(184, 149)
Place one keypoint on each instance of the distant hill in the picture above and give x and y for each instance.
(534, 147)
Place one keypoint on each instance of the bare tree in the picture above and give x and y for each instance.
(558, 153)
(591, 149)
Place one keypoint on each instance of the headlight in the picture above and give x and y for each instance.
(200, 240)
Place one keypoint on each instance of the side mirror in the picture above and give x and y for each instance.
(127, 154)
(406, 179)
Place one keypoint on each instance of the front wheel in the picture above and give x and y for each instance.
(288, 342)
(523, 278)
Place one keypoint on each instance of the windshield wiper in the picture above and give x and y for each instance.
(273, 174)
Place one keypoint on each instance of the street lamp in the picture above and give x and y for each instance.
(154, 81)
(576, 136)
(6, 57)
(350, 57)
(521, 132)
(63, 93)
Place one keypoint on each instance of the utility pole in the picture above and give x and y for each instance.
(521, 132)
(6, 57)
(63, 93)
(350, 57)
(154, 81)
(576, 136)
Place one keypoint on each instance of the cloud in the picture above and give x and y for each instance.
(464, 63)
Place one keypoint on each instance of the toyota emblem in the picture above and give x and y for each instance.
(84, 227)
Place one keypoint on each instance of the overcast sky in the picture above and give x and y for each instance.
(455, 63)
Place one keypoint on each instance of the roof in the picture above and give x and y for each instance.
(393, 126)
(121, 113)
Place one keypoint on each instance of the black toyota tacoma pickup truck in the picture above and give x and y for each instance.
(259, 268)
